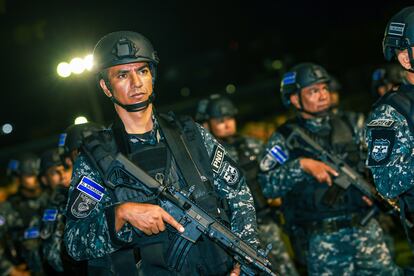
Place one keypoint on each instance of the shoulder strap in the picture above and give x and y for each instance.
(402, 101)
(186, 160)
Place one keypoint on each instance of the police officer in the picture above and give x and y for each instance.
(332, 235)
(99, 224)
(22, 238)
(56, 176)
(386, 78)
(390, 127)
(220, 116)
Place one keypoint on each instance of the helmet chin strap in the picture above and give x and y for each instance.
(134, 107)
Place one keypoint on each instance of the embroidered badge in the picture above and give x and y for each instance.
(230, 173)
(267, 163)
(89, 194)
(396, 28)
(31, 233)
(218, 158)
(50, 215)
(91, 188)
(380, 149)
(278, 154)
(381, 123)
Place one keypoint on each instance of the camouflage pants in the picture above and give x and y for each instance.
(269, 232)
(351, 251)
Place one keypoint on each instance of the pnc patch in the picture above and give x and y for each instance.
(381, 123)
(218, 158)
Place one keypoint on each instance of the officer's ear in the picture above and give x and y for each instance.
(294, 99)
(404, 59)
(105, 89)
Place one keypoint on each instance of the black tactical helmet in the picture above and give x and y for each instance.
(123, 47)
(49, 159)
(387, 74)
(219, 107)
(301, 76)
(28, 164)
(201, 115)
(399, 34)
(72, 138)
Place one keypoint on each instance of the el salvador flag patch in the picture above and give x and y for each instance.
(278, 154)
(62, 140)
(91, 188)
(50, 215)
(31, 233)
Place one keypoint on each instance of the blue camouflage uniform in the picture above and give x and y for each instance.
(334, 241)
(390, 152)
(245, 151)
(88, 234)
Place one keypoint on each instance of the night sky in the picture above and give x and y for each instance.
(203, 46)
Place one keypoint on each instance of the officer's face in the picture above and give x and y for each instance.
(223, 127)
(57, 175)
(315, 98)
(29, 182)
(131, 83)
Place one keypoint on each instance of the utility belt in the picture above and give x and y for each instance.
(331, 225)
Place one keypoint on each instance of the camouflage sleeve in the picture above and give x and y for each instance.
(278, 173)
(87, 234)
(231, 184)
(390, 151)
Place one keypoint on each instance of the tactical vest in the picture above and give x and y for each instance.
(304, 204)
(402, 100)
(167, 251)
(247, 160)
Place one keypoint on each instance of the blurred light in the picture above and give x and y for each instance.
(63, 69)
(277, 64)
(230, 88)
(185, 91)
(77, 65)
(80, 120)
(7, 128)
(88, 62)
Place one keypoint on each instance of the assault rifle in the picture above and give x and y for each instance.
(347, 176)
(196, 221)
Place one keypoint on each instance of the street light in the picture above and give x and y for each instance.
(80, 120)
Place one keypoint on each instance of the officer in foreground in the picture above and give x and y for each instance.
(99, 223)
(21, 237)
(220, 116)
(390, 127)
(329, 231)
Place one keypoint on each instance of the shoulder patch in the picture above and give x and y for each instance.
(381, 123)
(267, 163)
(2, 220)
(50, 215)
(87, 195)
(218, 158)
(91, 188)
(230, 173)
(380, 148)
(31, 233)
(278, 154)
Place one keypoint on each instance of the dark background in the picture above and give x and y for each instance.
(203, 47)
